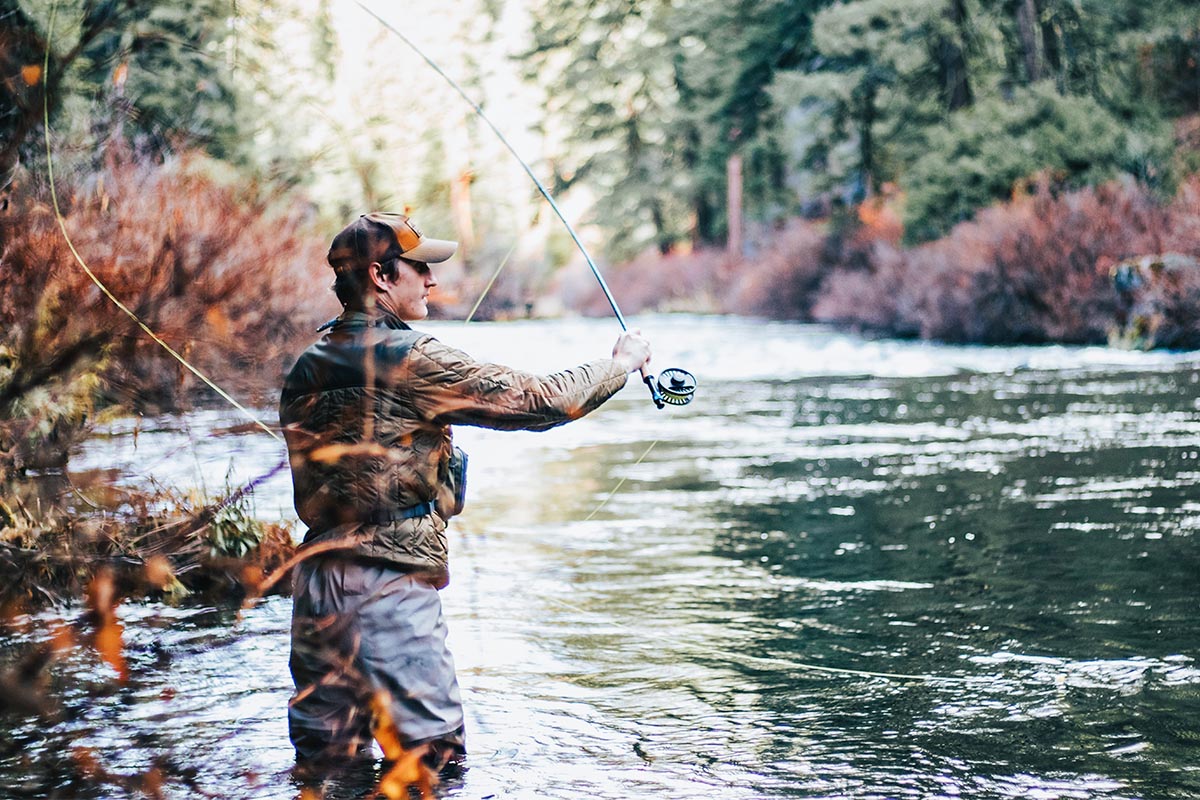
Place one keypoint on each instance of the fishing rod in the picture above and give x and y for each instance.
(674, 386)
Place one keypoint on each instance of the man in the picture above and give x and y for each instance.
(366, 412)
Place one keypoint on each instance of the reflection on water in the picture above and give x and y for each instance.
(1013, 529)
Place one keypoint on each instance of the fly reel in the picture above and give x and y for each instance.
(674, 387)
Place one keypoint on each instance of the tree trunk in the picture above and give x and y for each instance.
(704, 218)
(1027, 31)
(733, 172)
(1051, 48)
(866, 139)
(664, 240)
(21, 91)
(460, 211)
(952, 60)
(457, 139)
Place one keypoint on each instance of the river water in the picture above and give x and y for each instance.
(850, 568)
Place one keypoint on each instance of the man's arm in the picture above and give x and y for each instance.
(448, 387)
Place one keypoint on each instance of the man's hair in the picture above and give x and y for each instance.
(353, 285)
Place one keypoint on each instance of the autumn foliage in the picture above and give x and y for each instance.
(1111, 263)
(229, 279)
(1039, 269)
(226, 277)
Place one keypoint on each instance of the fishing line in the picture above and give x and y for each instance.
(620, 483)
(79, 259)
(471, 315)
(207, 513)
(488, 288)
(677, 391)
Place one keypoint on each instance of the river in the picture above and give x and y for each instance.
(851, 568)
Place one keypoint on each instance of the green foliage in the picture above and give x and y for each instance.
(614, 90)
(989, 149)
(957, 101)
(233, 531)
(50, 411)
(155, 71)
(165, 75)
(657, 96)
(872, 86)
(728, 59)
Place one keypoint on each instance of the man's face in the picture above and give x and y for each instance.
(407, 294)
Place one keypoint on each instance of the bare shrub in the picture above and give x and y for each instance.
(653, 282)
(781, 282)
(224, 275)
(157, 543)
(876, 300)
(1183, 224)
(1036, 269)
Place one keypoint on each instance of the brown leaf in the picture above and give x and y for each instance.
(152, 784)
(334, 452)
(87, 763)
(408, 770)
(102, 601)
(216, 318)
(109, 646)
(158, 572)
(384, 727)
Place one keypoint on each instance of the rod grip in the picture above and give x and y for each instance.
(655, 395)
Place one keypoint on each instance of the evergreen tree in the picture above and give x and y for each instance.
(159, 72)
(729, 57)
(873, 87)
(609, 72)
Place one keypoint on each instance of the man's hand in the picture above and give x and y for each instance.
(632, 351)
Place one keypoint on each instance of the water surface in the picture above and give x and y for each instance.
(703, 601)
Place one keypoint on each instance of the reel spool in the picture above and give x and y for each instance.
(674, 387)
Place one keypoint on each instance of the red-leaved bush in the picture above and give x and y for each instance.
(654, 282)
(781, 280)
(1037, 269)
(229, 279)
(1041, 268)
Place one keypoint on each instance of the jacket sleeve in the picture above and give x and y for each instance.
(447, 387)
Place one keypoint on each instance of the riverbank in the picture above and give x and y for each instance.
(234, 284)
(1109, 265)
(57, 536)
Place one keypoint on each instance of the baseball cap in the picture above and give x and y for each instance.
(381, 236)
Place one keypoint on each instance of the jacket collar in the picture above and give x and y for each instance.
(356, 319)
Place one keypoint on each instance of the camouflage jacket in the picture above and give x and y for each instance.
(367, 411)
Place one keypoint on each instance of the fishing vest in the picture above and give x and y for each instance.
(367, 412)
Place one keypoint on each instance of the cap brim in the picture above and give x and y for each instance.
(431, 251)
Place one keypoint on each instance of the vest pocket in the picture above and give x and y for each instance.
(456, 482)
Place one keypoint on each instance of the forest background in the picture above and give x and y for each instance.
(986, 171)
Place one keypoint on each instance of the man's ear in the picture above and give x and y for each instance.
(375, 270)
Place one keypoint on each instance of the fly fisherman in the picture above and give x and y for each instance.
(367, 412)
